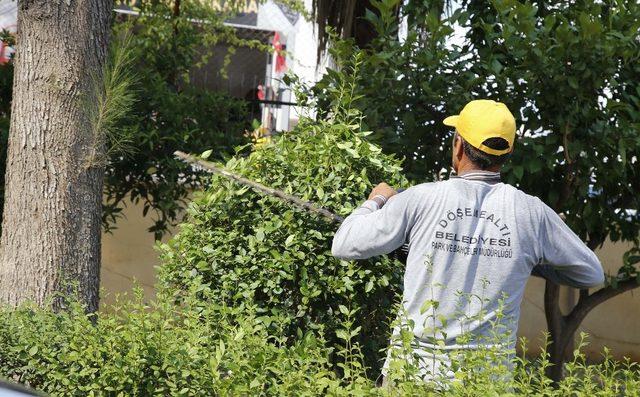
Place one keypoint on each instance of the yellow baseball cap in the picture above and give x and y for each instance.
(482, 119)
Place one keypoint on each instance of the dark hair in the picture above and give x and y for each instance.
(484, 160)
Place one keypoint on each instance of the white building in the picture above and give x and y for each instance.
(300, 39)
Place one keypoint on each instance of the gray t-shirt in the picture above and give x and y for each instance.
(473, 242)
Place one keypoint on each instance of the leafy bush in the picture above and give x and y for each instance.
(248, 247)
(161, 349)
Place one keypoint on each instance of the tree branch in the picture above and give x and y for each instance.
(555, 319)
(588, 302)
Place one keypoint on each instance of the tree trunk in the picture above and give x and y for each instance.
(556, 325)
(50, 242)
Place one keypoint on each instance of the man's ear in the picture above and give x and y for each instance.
(458, 148)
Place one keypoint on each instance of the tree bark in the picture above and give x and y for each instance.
(50, 242)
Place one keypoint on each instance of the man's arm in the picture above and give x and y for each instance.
(371, 231)
(564, 258)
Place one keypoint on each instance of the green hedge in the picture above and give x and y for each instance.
(161, 349)
(251, 247)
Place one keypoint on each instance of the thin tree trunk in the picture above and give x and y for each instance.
(50, 240)
(555, 325)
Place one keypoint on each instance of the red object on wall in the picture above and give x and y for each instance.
(260, 93)
(3, 59)
(5, 49)
(281, 62)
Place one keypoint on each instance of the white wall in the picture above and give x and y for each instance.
(8, 18)
(301, 40)
(8, 14)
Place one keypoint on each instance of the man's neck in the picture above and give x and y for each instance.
(466, 167)
(477, 174)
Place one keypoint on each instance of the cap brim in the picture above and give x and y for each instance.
(451, 121)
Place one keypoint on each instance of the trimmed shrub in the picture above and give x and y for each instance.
(251, 247)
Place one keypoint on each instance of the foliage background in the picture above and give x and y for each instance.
(172, 113)
(160, 349)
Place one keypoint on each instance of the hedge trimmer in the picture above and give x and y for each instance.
(297, 202)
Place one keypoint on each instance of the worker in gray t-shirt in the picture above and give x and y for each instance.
(471, 235)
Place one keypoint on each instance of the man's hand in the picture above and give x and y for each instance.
(383, 190)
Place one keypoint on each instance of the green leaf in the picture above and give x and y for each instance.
(342, 334)
(535, 165)
(622, 150)
(632, 259)
(369, 286)
(205, 155)
(289, 240)
(428, 304)
(614, 282)
(239, 335)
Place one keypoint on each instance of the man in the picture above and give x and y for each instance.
(473, 242)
